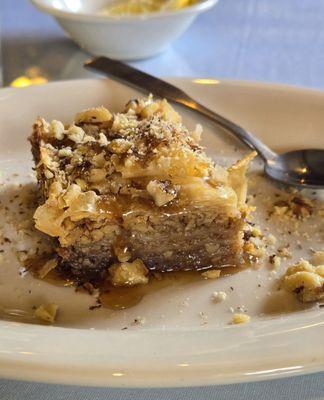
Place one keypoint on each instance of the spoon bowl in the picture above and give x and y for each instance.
(302, 168)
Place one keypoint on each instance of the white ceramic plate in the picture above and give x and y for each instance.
(187, 339)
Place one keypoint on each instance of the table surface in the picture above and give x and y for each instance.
(275, 41)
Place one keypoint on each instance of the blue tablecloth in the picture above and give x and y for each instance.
(300, 388)
(269, 40)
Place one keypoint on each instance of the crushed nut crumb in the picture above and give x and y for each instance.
(46, 312)
(239, 318)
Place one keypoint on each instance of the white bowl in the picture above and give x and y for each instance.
(120, 37)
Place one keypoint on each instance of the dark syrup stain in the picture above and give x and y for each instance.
(123, 297)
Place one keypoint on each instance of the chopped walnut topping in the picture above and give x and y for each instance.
(162, 191)
(295, 207)
(57, 129)
(65, 152)
(239, 318)
(146, 108)
(93, 115)
(46, 312)
(305, 280)
(48, 174)
(129, 273)
(284, 252)
(119, 146)
(122, 252)
(76, 134)
(211, 274)
(219, 296)
(103, 141)
(254, 244)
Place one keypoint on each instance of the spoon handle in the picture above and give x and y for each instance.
(145, 82)
(243, 135)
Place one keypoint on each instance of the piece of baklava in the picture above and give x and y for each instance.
(133, 191)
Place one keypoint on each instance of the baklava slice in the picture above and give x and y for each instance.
(130, 192)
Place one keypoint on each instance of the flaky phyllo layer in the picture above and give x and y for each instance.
(103, 167)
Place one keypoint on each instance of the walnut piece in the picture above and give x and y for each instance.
(119, 146)
(217, 297)
(76, 134)
(211, 274)
(92, 115)
(294, 207)
(162, 191)
(46, 312)
(129, 273)
(240, 318)
(57, 129)
(305, 280)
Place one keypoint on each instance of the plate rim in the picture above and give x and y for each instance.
(193, 80)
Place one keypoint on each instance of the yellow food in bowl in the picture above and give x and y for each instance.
(134, 7)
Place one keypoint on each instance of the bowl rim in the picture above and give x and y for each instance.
(200, 6)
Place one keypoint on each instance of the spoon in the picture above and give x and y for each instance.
(301, 168)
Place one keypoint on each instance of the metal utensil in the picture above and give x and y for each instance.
(302, 168)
